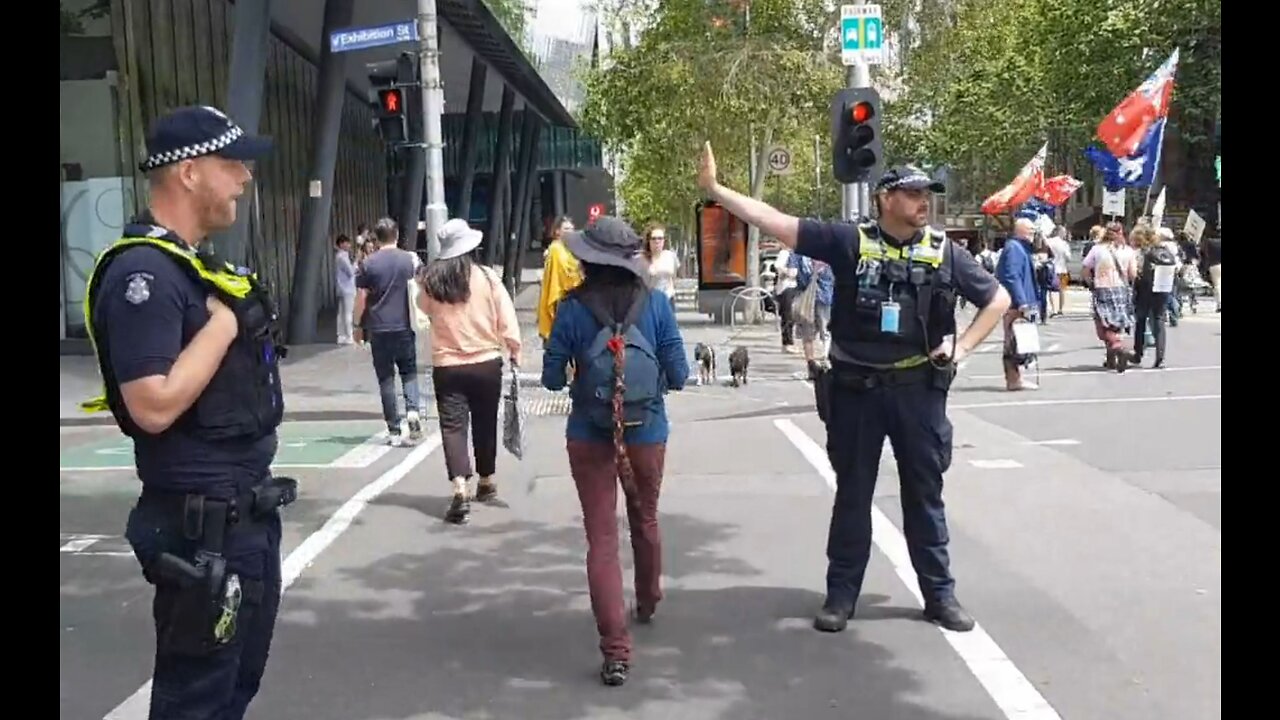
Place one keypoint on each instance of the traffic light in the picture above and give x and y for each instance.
(857, 154)
(390, 80)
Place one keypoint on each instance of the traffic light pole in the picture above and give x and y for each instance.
(432, 108)
(856, 197)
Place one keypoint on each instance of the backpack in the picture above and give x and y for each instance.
(641, 372)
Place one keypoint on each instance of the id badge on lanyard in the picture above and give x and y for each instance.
(889, 317)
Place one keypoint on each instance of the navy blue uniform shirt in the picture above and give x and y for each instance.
(151, 309)
(836, 244)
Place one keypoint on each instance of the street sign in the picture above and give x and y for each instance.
(861, 34)
(1194, 227)
(779, 160)
(1113, 202)
(362, 38)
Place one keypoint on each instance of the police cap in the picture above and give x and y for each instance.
(196, 131)
(908, 177)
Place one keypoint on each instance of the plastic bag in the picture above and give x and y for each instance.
(513, 420)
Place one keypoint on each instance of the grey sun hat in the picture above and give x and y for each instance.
(608, 241)
(457, 239)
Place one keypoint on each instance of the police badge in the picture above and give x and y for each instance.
(138, 290)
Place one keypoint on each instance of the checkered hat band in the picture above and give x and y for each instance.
(207, 147)
(908, 179)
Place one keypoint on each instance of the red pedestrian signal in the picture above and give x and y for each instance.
(392, 101)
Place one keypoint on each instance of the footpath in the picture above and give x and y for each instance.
(325, 381)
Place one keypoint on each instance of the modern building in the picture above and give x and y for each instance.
(122, 63)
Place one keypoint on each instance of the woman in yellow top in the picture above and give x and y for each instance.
(560, 274)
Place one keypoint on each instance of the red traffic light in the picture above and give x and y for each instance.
(861, 112)
(392, 101)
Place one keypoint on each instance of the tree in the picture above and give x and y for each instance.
(990, 82)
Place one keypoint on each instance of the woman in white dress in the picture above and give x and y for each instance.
(662, 263)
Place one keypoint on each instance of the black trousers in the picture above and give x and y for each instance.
(1150, 309)
(786, 299)
(914, 418)
(469, 392)
(221, 683)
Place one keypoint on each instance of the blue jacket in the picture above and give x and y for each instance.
(804, 275)
(1016, 273)
(571, 335)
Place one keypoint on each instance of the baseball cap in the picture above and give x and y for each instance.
(196, 131)
(908, 177)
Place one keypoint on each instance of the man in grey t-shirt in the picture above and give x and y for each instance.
(382, 306)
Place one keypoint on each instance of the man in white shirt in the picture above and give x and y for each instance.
(784, 292)
(1061, 250)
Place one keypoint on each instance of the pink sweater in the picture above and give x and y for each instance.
(475, 331)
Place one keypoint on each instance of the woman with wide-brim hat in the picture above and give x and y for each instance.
(473, 326)
(604, 455)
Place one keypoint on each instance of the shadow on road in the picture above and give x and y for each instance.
(484, 627)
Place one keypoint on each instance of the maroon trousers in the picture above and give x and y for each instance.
(596, 476)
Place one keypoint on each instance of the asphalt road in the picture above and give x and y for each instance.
(1085, 522)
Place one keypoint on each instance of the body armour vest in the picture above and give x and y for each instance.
(894, 311)
(244, 399)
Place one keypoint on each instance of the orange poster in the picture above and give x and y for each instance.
(722, 248)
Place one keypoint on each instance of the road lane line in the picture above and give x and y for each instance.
(1086, 401)
(1016, 697)
(137, 705)
(1101, 372)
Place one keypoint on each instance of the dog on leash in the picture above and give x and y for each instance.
(738, 362)
(705, 357)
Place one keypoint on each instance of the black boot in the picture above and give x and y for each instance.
(949, 615)
(833, 617)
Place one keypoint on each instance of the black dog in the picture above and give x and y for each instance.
(738, 362)
(705, 357)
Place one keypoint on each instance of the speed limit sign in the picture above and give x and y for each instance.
(779, 160)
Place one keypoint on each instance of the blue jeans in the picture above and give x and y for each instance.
(394, 351)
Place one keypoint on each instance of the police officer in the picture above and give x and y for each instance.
(183, 343)
(893, 355)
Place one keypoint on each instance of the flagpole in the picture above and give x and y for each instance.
(1146, 205)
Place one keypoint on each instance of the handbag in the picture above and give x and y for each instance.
(513, 419)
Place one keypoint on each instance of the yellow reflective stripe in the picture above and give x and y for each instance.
(922, 251)
(227, 281)
(913, 361)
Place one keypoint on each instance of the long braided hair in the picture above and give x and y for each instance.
(615, 288)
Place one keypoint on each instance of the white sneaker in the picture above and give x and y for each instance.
(395, 439)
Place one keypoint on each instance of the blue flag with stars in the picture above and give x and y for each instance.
(1137, 170)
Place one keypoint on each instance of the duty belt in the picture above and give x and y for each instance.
(856, 377)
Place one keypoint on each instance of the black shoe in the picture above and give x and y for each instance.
(486, 491)
(459, 510)
(832, 617)
(643, 615)
(614, 672)
(949, 615)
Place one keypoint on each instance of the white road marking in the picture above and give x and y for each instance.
(1086, 401)
(79, 543)
(1063, 441)
(1016, 697)
(1100, 372)
(364, 454)
(137, 705)
(997, 464)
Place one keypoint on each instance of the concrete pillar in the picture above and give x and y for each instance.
(496, 233)
(248, 75)
(557, 192)
(305, 295)
(519, 202)
(471, 132)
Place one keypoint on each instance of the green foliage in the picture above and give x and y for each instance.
(700, 72)
(985, 91)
